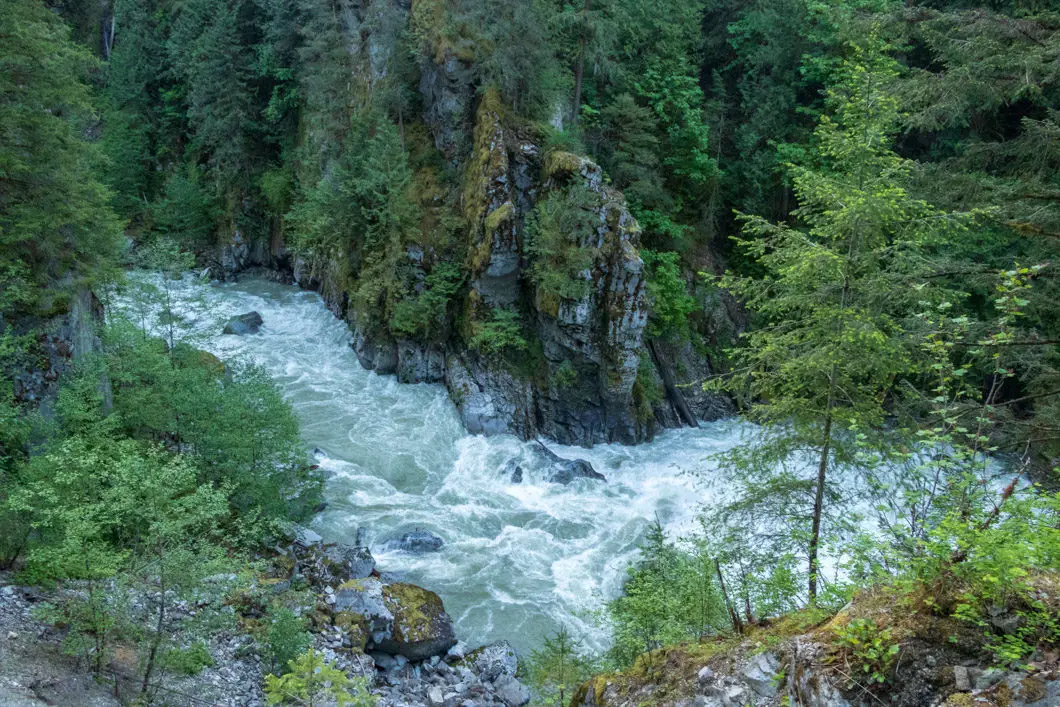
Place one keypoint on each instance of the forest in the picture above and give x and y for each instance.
(593, 222)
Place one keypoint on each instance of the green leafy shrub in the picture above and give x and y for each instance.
(869, 651)
(502, 333)
(310, 680)
(190, 660)
(237, 428)
(286, 638)
(669, 596)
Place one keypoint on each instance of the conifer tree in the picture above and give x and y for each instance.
(55, 218)
(829, 340)
(135, 76)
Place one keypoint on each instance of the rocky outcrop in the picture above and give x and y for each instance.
(590, 347)
(447, 91)
(60, 341)
(242, 324)
(797, 660)
(588, 374)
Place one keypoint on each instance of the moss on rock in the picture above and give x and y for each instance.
(421, 626)
(355, 627)
(559, 163)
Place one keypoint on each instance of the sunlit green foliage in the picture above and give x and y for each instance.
(310, 680)
(286, 638)
(671, 595)
(561, 238)
(557, 668)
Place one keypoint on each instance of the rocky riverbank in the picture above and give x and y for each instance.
(911, 658)
(365, 622)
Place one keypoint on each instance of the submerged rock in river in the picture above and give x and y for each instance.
(249, 323)
(514, 471)
(571, 469)
(563, 471)
(417, 541)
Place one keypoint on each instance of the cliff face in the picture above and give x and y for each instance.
(590, 347)
(59, 342)
(587, 375)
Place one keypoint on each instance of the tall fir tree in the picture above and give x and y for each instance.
(829, 341)
(56, 225)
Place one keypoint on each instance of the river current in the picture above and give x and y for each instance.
(519, 560)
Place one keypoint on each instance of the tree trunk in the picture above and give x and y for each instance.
(673, 394)
(580, 68)
(818, 503)
(737, 625)
(157, 641)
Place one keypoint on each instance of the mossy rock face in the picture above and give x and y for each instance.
(421, 626)
(365, 598)
(355, 627)
(560, 163)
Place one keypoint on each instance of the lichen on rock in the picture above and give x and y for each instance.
(421, 628)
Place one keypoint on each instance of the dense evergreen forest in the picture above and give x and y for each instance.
(591, 220)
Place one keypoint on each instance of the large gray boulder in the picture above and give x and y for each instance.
(249, 323)
(364, 599)
(421, 628)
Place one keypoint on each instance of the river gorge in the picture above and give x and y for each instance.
(520, 559)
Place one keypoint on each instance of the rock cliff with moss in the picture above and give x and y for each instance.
(519, 285)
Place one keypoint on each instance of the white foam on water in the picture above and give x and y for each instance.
(519, 559)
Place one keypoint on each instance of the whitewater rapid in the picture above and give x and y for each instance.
(519, 560)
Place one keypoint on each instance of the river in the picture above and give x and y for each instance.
(519, 560)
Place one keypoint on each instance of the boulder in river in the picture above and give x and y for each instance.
(571, 469)
(563, 471)
(514, 472)
(349, 562)
(417, 541)
(249, 323)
